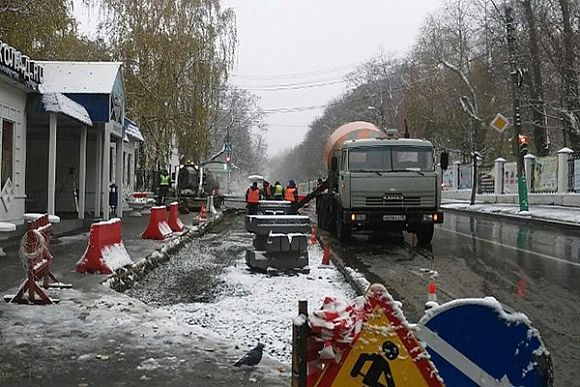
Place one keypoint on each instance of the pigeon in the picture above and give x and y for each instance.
(252, 358)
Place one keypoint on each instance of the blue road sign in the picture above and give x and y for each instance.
(475, 342)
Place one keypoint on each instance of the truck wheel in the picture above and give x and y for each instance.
(425, 233)
(343, 231)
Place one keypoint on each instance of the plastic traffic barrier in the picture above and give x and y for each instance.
(105, 251)
(173, 220)
(158, 228)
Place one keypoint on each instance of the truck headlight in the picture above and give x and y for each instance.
(428, 218)
(358, 217)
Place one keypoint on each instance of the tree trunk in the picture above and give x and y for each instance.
(536, 85)
(571, 101)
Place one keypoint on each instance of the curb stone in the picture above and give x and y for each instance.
(124, 278)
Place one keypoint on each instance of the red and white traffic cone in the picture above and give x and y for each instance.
(313, 239)
(431, 296)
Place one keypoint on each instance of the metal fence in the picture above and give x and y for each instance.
(574, 172)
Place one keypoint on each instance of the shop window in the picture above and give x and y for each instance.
(7, 152)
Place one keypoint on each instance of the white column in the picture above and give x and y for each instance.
(498, 179)
(98, 173)
(455, 185)
(529, 169)
(119, 173)
(106, 175)
(82, 171)
(51, 163)
(563, 157)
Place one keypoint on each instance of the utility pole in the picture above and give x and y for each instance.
(515, 73)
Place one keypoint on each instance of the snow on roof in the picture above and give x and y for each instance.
(132, 129)
(60, 103)
(79, 77)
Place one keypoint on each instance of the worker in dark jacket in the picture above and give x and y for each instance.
(267, 190)
(253, 196)
(291, 192)
(278, 191)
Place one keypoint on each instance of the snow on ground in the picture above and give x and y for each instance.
(262, 307)
(549, 213)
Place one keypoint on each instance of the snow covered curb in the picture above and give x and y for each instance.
(356, 280)
(125, 277)
(556, 219)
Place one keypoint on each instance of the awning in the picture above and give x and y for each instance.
(131, 129)
(60, 103)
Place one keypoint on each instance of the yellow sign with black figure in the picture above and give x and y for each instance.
(385, 353)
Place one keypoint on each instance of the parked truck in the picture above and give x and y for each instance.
(194, 185)
(378, 181)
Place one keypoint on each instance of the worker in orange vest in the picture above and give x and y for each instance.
(291, 193)
(253, 196)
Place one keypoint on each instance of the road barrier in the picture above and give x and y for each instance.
(158, 228)
(35, 249)
(173, 221)
(105, 251)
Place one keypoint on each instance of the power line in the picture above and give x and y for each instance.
(295, 109)
(294, 87)
(300, 74)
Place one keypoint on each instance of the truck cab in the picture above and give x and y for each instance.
(386, 184)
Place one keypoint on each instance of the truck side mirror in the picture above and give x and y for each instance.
(334, 164)
(444, 161)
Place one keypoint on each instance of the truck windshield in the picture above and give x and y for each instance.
(409, 158)
(369, 159)
(383, 159)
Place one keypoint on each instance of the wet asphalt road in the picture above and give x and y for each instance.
(533, 269)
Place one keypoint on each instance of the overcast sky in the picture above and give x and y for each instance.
(303, 49)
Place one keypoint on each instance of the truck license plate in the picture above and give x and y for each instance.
(393, 218)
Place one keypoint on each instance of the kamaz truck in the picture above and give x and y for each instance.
(378, 182)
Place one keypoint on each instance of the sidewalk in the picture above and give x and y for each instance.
(98, 337)
(545, 214)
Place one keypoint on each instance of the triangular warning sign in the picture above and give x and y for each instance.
(385, 353)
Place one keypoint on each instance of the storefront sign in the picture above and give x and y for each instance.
(19, 67)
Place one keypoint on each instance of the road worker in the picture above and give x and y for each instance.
(253, 196)
(278, 191)
(291, 192)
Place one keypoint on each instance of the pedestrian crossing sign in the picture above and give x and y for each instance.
(385, 353)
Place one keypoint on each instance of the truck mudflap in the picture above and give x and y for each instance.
(368, 219)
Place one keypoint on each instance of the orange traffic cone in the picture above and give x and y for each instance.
(326, 254)
(313, 239)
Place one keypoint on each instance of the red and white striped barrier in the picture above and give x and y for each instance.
(173, 221)
(105, 252)
(158, 228)
(336, 325)
(35, 248)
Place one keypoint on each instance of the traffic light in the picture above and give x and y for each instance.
(523, 144)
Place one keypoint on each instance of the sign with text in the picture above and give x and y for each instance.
(385, 353)
(19, 67)
(545, 174)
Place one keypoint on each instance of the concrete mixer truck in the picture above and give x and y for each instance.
(378, 182)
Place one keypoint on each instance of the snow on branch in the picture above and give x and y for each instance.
(470, 107)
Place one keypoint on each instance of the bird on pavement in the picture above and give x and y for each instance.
(252, 358)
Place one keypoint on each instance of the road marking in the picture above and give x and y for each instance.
(458, 360)
(513, 247)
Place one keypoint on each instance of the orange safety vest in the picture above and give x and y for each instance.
(253, 196)
(289, 194)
